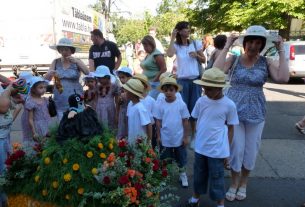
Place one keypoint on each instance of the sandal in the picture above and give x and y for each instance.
(231, 194)
(299, 128)
(241, 194)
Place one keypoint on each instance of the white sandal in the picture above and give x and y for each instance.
(231, 194)
(241, 194)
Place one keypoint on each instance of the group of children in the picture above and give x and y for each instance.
(125, 107)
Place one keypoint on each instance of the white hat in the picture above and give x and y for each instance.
(256, 30)
(26, 75)
(36, 79)
(124, 70)
(65, 42)
(213, 77)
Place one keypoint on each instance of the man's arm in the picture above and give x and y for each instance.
(91, 65)
(118, 62)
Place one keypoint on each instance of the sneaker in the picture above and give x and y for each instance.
(189, 203)
(183, 179)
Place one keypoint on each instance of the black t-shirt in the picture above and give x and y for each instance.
(104, 54)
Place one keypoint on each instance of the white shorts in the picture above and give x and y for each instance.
(245, 145)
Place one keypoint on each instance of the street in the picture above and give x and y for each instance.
(279, 177)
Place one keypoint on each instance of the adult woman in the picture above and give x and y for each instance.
(219, 43)
(153, 65)
(188, 55)
(208, 47)
(67, 69)
(248, 78)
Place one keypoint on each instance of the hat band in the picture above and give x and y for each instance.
(210, 81)
(133, 88)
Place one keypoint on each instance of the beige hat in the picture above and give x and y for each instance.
(65, 42)
(169, 81)
(143, 79)
(213, 77)
(134, 86)
(167, 74)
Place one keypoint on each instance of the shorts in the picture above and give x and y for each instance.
(178, 154)
(209, 173)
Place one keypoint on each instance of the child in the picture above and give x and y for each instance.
(216, 114)
(124, 74)
(89, 94)
(107, 97)
(136, 64)
(161, 96)
(37, 106)
(138, 117)
(172, 126)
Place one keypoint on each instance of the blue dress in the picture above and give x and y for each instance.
(247, 91)
(69, 78)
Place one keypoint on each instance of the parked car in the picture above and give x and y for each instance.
(294, 54)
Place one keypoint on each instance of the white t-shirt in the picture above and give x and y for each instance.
(159, 46)
(149, 103)
(171, 115)
(211, 131)
(161, 96)
(138, 118)
(187, 67)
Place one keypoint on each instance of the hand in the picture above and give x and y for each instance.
(174, 33)
(231, 39)
(193, 54)
(36, 137)
(278, 43)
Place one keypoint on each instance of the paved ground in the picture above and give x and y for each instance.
(279, 177)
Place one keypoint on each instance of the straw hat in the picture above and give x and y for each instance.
(143, 79)
(135, 86)
(169, 81)
(65, 42)
(213, 77)
(36, 79)
(166, 74)
(124, 70)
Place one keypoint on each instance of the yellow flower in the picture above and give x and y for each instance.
(65, 161)
(55, 184)
(43, 152)
(67, 197)
(103, 155)
(47, 160)
(100, 145)
(44, 192)
(37, 178)
(110, 146)
(67, 177)
(75, 167)
(94, 171)
(80, 191)
(89, 154)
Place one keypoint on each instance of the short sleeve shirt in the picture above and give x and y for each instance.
(211, 130)
(171, 115)
(149, 65)
(104, 54)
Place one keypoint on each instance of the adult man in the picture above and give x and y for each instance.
(153, 33)
(103, 52)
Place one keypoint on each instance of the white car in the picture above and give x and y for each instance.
(294, 54)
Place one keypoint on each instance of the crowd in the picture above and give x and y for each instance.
(224, 124)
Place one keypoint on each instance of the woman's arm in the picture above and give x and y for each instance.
(51, 72)
(160, 61)
(171, 51)
(279, 72)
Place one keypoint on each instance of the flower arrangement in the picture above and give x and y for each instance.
(101, 172)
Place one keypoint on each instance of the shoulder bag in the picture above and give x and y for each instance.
(52, 107)
(230, 74)
(200, 68)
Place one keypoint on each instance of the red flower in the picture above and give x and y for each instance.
(138, 186)
(156, 162)
(164, 173)
(156, 167)
(106, 180)
(121, 154)
(123, 180)
(122, 143)
(128, 163)
(14, 157)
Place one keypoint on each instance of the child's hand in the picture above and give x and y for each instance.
(36, 137)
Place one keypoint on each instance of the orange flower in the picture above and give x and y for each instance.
(149, 194)
(151, 152)
(110, 146)
(100, 145)
(67, 177)
(111, 157)
(131, 173)
(44, 192)
(89, 154)
(55, 184)
(47, 160)
(131, 192)
(75, 167)
(80, 191)
(103, 155)
(147, 159)
(139, 174)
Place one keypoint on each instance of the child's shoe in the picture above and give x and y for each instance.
(189, 203)
(183, 179)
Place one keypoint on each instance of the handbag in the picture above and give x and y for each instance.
(230, 74)
(52, 107)
(200, 68)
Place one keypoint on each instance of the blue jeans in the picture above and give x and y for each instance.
(154, 92)
(178, 154)
(190, 93)
(209, 172)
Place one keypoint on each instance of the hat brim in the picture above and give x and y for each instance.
(203, 83)
(54, 47)
(132, 91)
(269, 38)
(179, 87)
(143, 81)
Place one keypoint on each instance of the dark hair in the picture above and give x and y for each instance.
(150, 41)
(71, 48)
(33, 88)
(106, 76)
(97, 32)
(220, 41)
(166, 86)
(124, 73)
(180, 26)
(250, 38)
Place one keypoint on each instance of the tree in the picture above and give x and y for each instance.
(221, 15)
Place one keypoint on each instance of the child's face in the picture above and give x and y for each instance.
(213, 93)
(169, 92)
(123, 78)
(131, 96)
(90, 83)
(40, 89)
(104, 81)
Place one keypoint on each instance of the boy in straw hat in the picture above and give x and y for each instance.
(172, 126)
(215, 114)
(139, 123)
